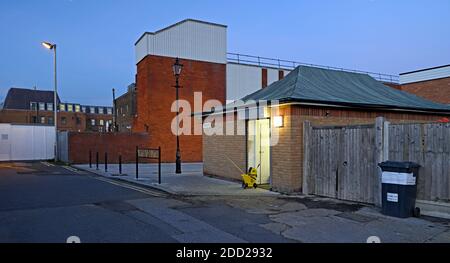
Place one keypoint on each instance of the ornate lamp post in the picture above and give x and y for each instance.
(177, 67)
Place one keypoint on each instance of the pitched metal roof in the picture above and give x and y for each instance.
(19, 99)
(325, 86)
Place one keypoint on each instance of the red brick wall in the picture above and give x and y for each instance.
(437, 90)
(263, 78)
(393, 85)
(115, 144)
(155, 95)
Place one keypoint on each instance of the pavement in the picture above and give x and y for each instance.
(40, 202)
(191, 182)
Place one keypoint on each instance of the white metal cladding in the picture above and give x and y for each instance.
(26, 142)
(188, 39)
(430, 74)
(242, 80)
(272, 76)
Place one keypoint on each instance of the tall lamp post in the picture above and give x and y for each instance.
(55, 103)
(177, 67)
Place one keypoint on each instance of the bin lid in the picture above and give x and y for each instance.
(395, 164)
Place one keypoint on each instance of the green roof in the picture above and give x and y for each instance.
(325, 86)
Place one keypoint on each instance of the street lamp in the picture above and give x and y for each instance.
(55, 118)
(177, 67)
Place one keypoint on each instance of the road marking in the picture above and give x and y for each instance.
(47, 164)
(132, 187)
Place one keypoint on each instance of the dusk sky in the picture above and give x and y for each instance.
(96, 38)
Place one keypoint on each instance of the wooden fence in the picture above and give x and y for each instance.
(342, 161)
(429, 146)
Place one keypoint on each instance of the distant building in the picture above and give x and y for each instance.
(126, 109)
(23, 106)
(431, 83)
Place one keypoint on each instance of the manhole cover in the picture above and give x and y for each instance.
(356, 217)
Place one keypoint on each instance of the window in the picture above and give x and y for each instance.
(62, 107)
(91, 110)
(93, 122)
(49, 106)
(41, 106)
(77, 108)
(33, 105)
(50, 120)
(102, 122)
(83, 109)
(127, 108)
(101, 111)
(69, 107)
(63, 120)
(34, 119)
(110, 111)
(43, 120)
(78, 120)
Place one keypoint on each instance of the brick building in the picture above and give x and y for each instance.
(271, 137)
(125, 107)
(24, 106)
(432, 83)
(208, 68)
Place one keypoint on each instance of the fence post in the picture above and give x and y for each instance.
(159, 165)
(90, 159)
(106, 162)
(96, 160)
(137, 163)
(379, 153)
(120, 164)
(308, 185)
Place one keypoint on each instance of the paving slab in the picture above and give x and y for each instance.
(190, 182)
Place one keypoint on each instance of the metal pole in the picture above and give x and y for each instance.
(120, 164)
(178, 153)
(96, 160)
(159, 165)
(106, 162)
(115, 111)
(90, 159)
(137, 163)
(54, 106)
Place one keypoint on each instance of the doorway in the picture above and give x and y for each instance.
(258, 149)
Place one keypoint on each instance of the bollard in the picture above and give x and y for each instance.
(96, 160)
(90, 159)
(106, 162)
(137, 163)
(120, 164)
(159, 165)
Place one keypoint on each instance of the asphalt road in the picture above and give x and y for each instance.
(43, 203)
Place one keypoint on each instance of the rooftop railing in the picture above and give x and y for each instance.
(290, 65)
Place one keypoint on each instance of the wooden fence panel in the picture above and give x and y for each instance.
(429, 146)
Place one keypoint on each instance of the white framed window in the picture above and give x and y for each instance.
(101, 122)
(77, 108)
(91, 110)
(69, 107)
(62, 107)
(93, 122)
(33, 105)
(83, 109)
(110, 111)
(101, 110)
(42, 106)
(49, 106)
(43, 120)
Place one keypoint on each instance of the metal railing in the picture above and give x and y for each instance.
(290, 65)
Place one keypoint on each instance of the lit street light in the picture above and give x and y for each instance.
(55, 118)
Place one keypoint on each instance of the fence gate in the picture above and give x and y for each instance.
(342, 162)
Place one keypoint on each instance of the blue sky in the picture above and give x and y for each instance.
(96, 38)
